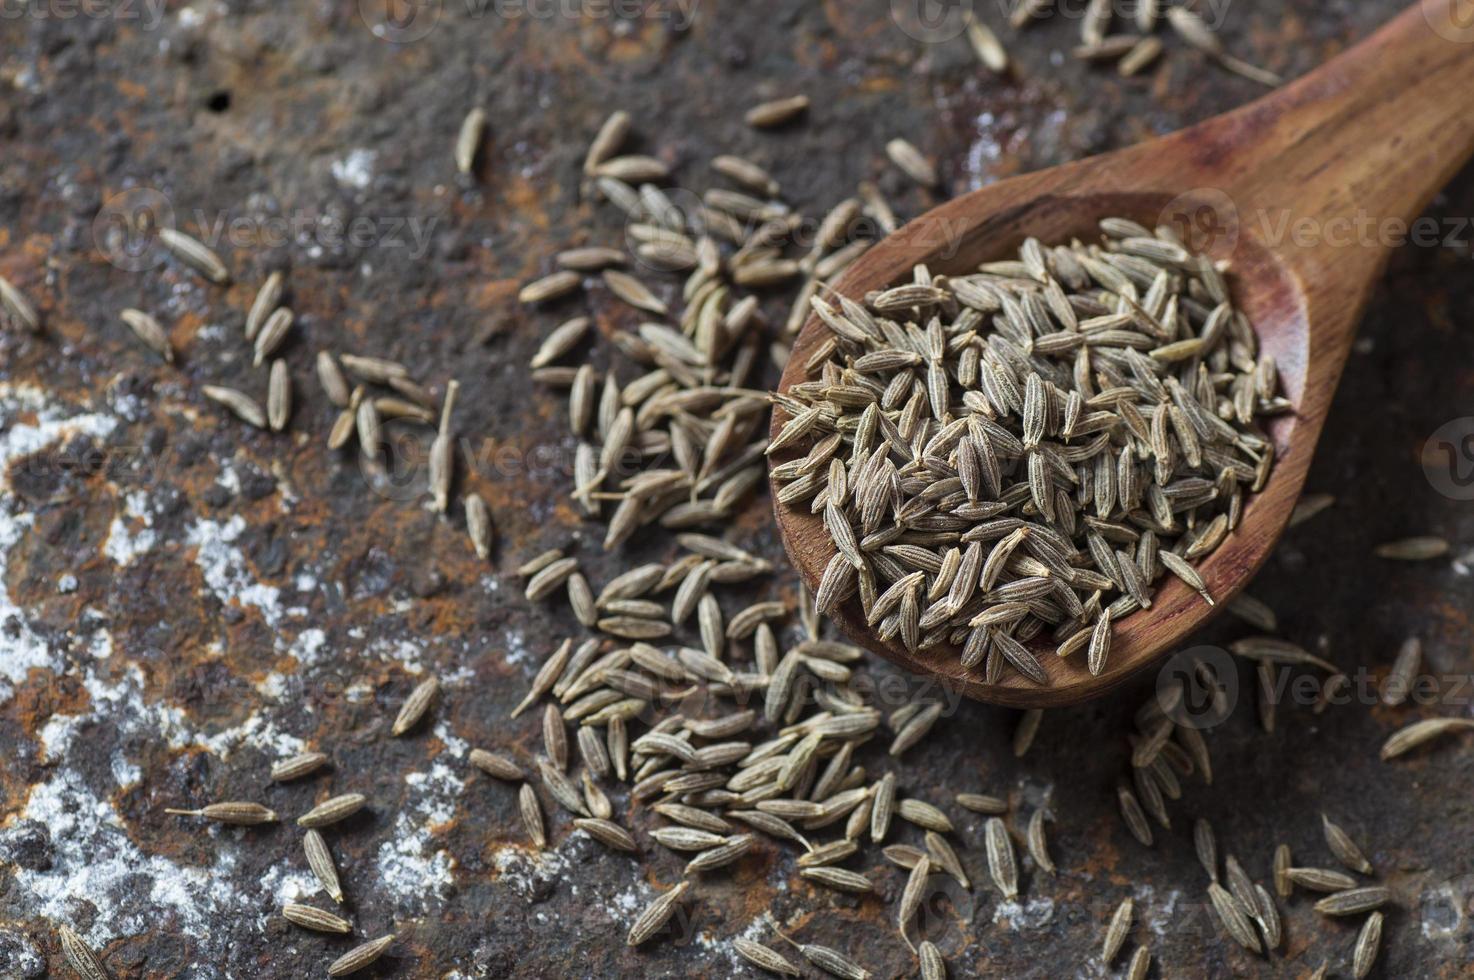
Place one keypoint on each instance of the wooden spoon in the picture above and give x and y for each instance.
(1303, 190)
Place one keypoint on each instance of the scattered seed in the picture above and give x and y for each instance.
(415, 706)
(532, 815)
(1283, 884)
(654, 918)
(478, 525)
(359, 957)
(150, 331)
(496, 765)
(1404, 671)
(240, 814)
(311, 918)
(1413, 549)
(19, 308)
(1354, 901)
(320, 860)
(777, 112)
(468, 140)
(268, 298)
(246, 408)
(1309, 505)
(978, 803)
(911, 162)
(1135, 819)
(764, 958)
(1406, 739)
(195, 254)
(1038, 843)
(79, 955)
(1117, 931)
(332, 811)
(1343, 847)
(608, 833)
(303, 764)
(1141, 55)
(985, 44)
(1368, 945)
(1141, 962)
(1234, 917)
(1001, 864)
(607, 141)
(550, 288)
(1325, 880)
(632, 291)
(279, 396)
(933, 967)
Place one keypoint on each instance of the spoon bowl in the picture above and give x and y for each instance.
(1373, 134)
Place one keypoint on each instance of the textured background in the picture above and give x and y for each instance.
(184, 600)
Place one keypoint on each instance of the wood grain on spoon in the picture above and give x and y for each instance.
(1303, 191)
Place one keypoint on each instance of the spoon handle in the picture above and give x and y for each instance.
(1340, 163)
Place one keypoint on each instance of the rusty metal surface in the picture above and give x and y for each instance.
(184, 600)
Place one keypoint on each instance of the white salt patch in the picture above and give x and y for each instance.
(356, 169)
(456, 747)
(307, 647)
(402, 650)
(20, 648)
(1441, 912)
(288, 884)
(273, 686)
(412, 866)
(1032, 914)
(121, 702)
(122, 545)
(525, 869)
(225, 568)
(1157, 912)
(92, 856)
(514, 649)
(57, 736)
(125, 773)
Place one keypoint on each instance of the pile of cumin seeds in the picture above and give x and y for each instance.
(674, 432)
(712, 736)
(1018, 454)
